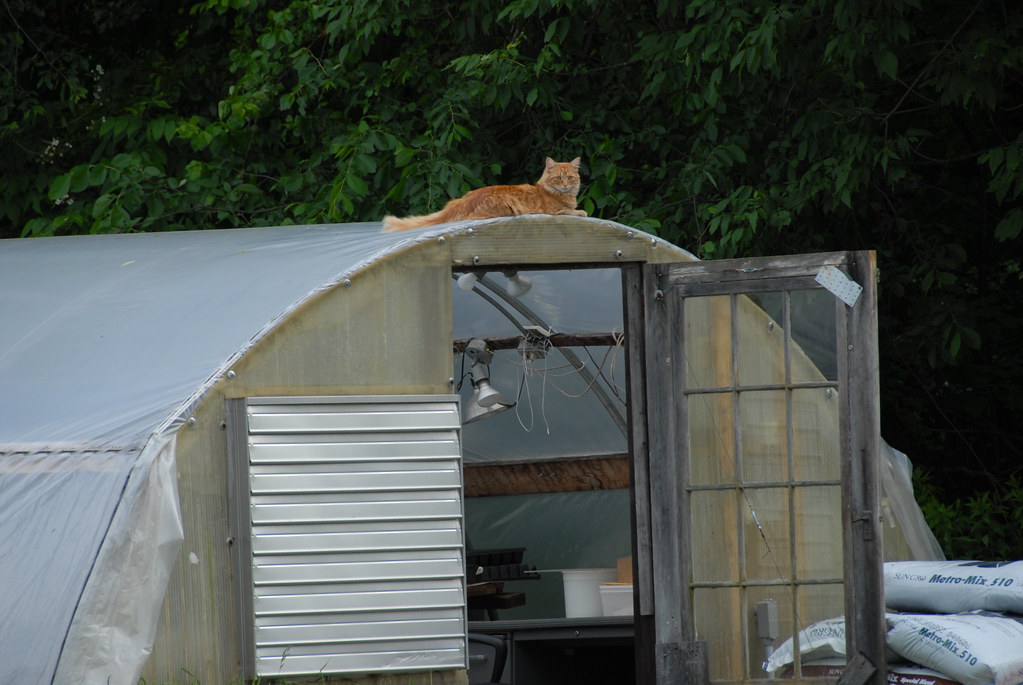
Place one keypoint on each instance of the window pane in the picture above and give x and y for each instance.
(715, 536)
(813, 335)
(759, 643)
(815, 448)
(711, 439)
(763, 429)
(761, 348)
(767, 539)
(719, 622)
(708, 335)
(819, 602)
(819, 549)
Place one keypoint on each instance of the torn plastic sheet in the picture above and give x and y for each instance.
(112, 634)
(900, 506)
(55, 508)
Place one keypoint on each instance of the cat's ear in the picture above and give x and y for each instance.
(550, 163)
(576, 162)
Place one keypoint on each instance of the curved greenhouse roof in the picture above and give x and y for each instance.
(106, 338)
(108, 344)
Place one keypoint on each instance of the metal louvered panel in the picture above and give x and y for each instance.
(361, 416)
(352, 542)
(430, 654)
(342, 477)
(317, 447)
(431, 504)
(353, 568)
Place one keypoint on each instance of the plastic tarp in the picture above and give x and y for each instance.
(104, 337)
(55, 508)
(112, 633)
(900, 507)
(106, 342)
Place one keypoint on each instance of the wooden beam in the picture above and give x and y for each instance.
(633, 293)
(861, 522)
(556, 340)
(573, 474)
(678, 656)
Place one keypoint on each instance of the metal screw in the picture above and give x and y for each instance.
(192, 421)
(618, 254)
(475, 259)
(441, 240)
(347, 282)
(231, 374)
(469, 231)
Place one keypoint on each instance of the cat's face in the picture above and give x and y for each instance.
(561, 177)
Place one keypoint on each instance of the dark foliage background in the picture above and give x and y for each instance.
(729, 127)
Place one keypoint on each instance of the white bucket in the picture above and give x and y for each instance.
(616, 599)
(582, 590)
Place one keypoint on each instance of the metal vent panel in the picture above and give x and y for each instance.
(347, 631)
(355, 540)
(426, 656)
(335, 447)
(283, 416)
(411, 506)
(343, 477)
(356, 568)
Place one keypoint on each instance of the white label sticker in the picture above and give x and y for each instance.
(840, 285)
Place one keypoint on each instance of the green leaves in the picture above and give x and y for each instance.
(729, 127)
(1010, 226)
(988, 525)
(60, 187)
(721, 122)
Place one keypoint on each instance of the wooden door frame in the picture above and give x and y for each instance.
(667, 649)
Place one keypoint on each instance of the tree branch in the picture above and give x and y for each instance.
(923, 71)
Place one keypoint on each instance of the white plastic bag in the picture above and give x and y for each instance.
(950, 587)
(821, 640)
(975, 649)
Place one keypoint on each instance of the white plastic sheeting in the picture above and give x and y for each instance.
(112, 632)
(899, 505)
(105, 343)
(55, 508)
(105, 336)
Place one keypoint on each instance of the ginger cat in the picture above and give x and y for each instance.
(554, 193)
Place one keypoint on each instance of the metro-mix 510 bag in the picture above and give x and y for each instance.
(949, 587)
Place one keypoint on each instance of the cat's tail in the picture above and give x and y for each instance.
(393, 224)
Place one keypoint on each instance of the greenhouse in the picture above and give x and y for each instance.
(329, 451)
